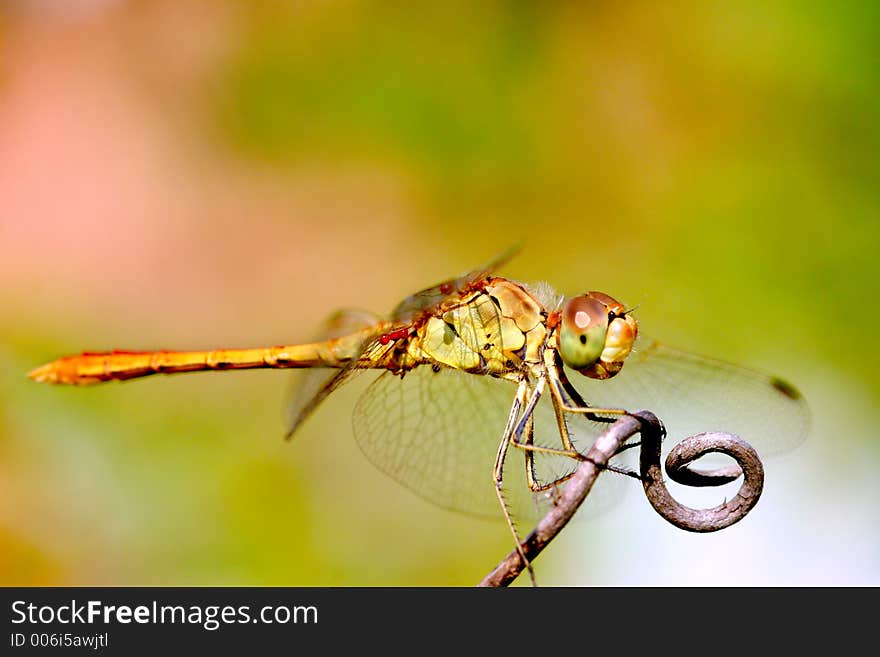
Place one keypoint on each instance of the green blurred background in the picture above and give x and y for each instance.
(200, 173)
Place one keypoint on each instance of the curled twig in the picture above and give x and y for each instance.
(678, 467)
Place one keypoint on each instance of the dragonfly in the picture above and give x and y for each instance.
(474, 406)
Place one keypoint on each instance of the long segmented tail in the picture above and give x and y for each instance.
(97, 367)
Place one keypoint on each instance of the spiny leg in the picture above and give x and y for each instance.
(559, 412)
(531, 475)
(529, 449)
(569, 448)
(562, 387)
(526, 426)
(571, 399)
(524, 421)
(576, 404)
(567, 445)
(498, 474)
(562, 404)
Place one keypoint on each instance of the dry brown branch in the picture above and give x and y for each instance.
(677, 466)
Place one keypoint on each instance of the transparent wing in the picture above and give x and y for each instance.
(433, 296)
(438, 433)
(692, 394)
(312, 386)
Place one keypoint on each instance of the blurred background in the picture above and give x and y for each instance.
(195, 173)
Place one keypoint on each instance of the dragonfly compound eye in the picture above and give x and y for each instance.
(581, 336)
(619, 339)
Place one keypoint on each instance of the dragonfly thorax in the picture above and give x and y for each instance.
(495, 328)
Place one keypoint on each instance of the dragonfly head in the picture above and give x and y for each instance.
(595, 335)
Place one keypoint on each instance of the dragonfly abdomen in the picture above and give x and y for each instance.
(97, 367)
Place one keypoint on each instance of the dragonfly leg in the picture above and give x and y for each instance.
(529, 449)
(623, 448)
(524, 423)
(571, 400)
(525, 426)
(531, 475)
(550, 485)
(563, 404)
(567, 445)
(624, 471)
(498, 474)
